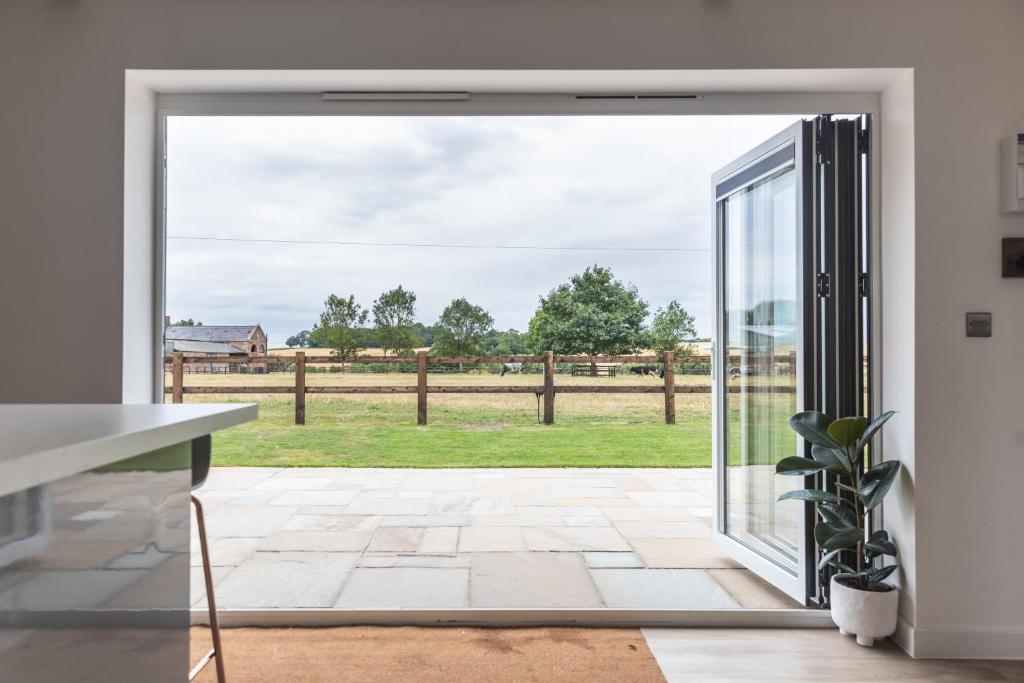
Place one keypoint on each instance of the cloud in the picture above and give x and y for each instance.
(581, 182)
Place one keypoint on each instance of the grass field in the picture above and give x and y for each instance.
(464, 430)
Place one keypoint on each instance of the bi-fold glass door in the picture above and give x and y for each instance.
(789, 243)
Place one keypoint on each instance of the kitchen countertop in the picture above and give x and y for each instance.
(43, 443)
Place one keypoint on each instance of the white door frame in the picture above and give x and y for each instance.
(511, 104)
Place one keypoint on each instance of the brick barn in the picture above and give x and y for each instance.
(216, 340)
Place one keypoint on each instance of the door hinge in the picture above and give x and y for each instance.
(864, 285)
(864, 140)
(823, 285)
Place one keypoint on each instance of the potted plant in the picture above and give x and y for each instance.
(862, 604)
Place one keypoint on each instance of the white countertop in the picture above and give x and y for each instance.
(42, 443)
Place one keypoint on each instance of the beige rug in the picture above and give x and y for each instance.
(423, 655)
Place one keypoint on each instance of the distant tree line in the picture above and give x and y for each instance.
(593, 314)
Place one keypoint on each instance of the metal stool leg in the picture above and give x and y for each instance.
(216, 654)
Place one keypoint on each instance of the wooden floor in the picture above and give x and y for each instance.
(746, 655)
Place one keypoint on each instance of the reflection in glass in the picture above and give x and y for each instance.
(94, 574)
(761, 331)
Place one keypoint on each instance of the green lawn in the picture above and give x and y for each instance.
(488, 430)
(353, 433)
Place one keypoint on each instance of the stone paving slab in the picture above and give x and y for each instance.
(661, 589)
(286, 579)
(405, 587)
(531, 580)
(532, 537)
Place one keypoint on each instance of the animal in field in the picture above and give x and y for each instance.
(511, 369)
(647, 370)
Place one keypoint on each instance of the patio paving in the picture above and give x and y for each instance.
(399, 538)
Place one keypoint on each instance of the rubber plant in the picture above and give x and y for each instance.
(837, 447)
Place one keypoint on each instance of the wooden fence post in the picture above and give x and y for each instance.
(549, 388)
(300, 387)
(177, 383)
(421, 387)
(670, 388)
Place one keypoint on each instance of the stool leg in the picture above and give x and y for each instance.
(217, 654)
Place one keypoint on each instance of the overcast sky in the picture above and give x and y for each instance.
(580, 182)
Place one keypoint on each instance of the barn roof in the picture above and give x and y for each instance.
(209, 333)
(218, 348)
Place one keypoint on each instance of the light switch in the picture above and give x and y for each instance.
(979, 324)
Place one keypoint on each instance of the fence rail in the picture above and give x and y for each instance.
(545, 391)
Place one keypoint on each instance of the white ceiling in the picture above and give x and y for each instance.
(518, 81)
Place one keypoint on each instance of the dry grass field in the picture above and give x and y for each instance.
(326, 352)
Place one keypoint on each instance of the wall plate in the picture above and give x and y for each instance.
(979, 324)
(1013, 257)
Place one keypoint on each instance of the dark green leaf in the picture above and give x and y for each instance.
(837, 514)
(845, 431)
(879, 534)
(835, 460)
(876, 482)
(879, 575)
(829, 558)
(830, 537)
(832, 559)
(879, 547)
(875, 425)
(813, 495)
(813, 426)
(795, 465)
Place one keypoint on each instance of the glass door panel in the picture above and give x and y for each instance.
(761, 298)
(762, 233)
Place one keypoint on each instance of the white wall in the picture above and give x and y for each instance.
(63, 210)
(141, 176)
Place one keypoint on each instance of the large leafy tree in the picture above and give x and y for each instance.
(393, 314)
(188, 322)
(593, 313)
(511, 342)
(671, 326)
(301, 340)
(771, 312)
(424, 333)
(339, 326)
(461, 329)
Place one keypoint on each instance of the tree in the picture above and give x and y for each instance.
(188, 322)
(671, 326)
(508, 343)
(318, 338)
(393, 314)
(425, 334)
(591, 314)
(461, 328)
(301, 340)
(339, 326)
(771, 312)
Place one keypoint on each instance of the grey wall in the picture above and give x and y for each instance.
(61, 203)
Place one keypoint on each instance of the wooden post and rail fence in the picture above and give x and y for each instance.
(545, 392)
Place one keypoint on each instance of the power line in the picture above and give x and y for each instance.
(432, 245)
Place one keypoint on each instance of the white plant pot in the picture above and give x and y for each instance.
(865, 614)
